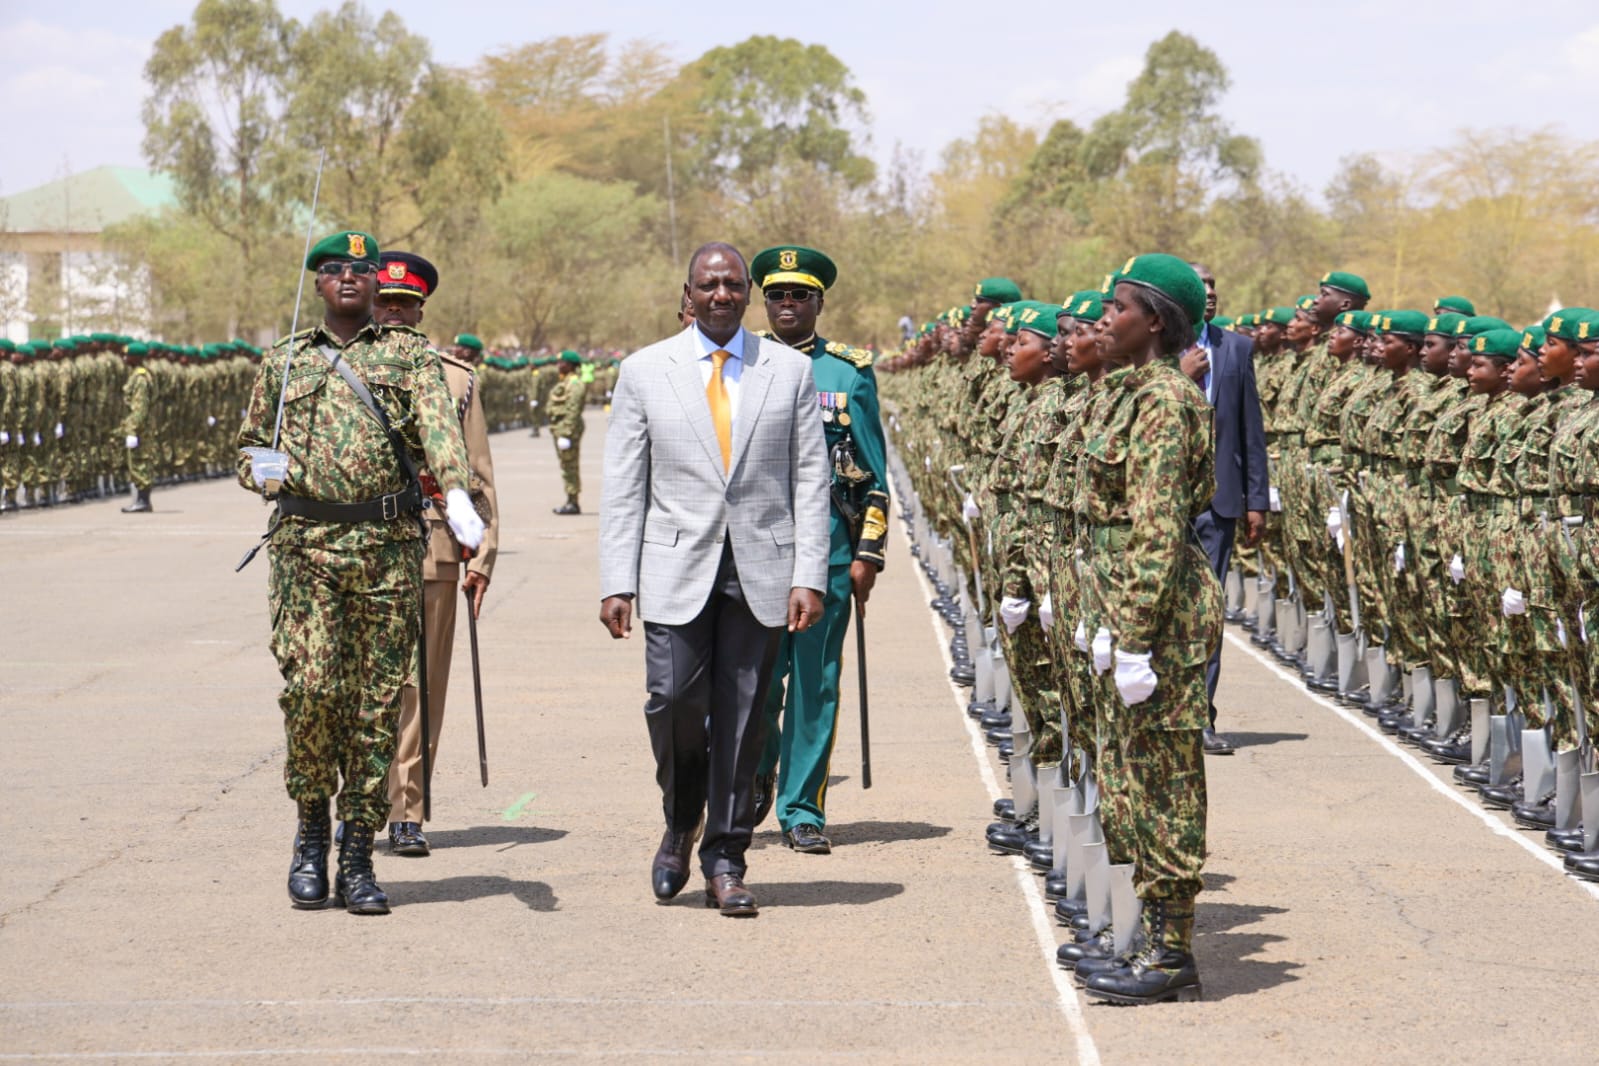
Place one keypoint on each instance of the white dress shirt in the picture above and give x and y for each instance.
(732, 370)
(1208, 386)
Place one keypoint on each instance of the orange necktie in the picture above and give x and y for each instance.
(721, 407)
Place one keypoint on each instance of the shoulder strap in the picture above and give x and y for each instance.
(337, 362)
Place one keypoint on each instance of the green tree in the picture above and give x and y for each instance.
(214, 121)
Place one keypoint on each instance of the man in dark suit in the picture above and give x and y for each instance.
(1222, 364)
(714, 514)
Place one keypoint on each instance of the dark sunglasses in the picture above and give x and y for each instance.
(799, 296)
(332, 268)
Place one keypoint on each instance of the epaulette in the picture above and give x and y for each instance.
(402, 329)
(859, 358)
(294, 336)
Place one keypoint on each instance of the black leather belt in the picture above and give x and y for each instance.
(383, 509)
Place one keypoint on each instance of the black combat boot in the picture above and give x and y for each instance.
(140, 502)
(569, 507)
(308, 870)
(356, 889)
(1164, 970)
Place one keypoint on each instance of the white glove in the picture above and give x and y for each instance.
(1457, 569)
(5, 438)
(563, 443)
(1046, 613)
(1582, 623)
(1274, 499)
(1399, 559)
(1135, 678)
(969, 508)
(1013, 612)
(132, 441)
(1335, 525)
(1080, 638)
(927, 461)
(533, 403)
(463, 519)
(211, 420)
(36, 440)
(1511, 602)
(1102, 657)
(61, 431)
(1560, 632)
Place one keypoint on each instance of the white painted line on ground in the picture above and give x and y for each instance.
(1454, 795)
(441, 1054)
(1070, 1006)
(344, 1003)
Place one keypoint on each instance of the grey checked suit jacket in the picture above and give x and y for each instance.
(667, 505)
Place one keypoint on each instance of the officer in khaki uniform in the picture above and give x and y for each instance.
(566, 423)
(405, 281)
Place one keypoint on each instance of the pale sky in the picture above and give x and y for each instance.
(1312, 82)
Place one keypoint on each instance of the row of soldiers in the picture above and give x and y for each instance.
(1428, 551)
(78, 421)
(68, 418)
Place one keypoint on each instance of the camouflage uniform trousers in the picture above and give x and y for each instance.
(1426, 587)
(139, 466)
(344, 633)
(1152, 784)
(1386, 530)
(1575, 550)
(1485, 580)
(1323, 576)
(1536, 658)
(1074, 668)
(570, 478)
(1460, 632)
(1027, 649)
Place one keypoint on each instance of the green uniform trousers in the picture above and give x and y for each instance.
(344, 633)
(804, 695)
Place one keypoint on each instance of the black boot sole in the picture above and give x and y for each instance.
(1186, 994)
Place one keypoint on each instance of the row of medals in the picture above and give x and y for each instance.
(832, 405)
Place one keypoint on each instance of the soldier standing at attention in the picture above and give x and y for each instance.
(1146, 473)
(804, 690)
(136, 398)
(405, 281)
(566, 424)
(365, 406)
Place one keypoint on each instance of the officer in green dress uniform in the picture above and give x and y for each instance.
(565, 407)
(804, 693)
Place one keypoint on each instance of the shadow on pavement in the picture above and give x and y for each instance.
(1261, 740)
(1226, 969)
(481, 835)
(884, 832)
(822, 893)
(537, 895)
(1220, 917)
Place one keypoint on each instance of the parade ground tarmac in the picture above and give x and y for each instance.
(1356, 909)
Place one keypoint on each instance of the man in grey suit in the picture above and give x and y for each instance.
(714, 515)
(1222, 364)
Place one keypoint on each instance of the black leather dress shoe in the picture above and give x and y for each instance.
(405, 838)
(727, 893)
(1100, 946)
(1472, 775)
(765, 795)
(1005, 808)
(669, 871)
(808, 839)
(1005, 750)
(1215, 744)
(1232, 616)
(1055, 887)
(963, 675)
(1067, 909)
(1585, 866)
(1155, 975)
(1500, 797)
(996, 720)
(1539, 814)
(1009, 837)
(1450, 751)
(1036, 852)
(1565, 839)
(569, 507)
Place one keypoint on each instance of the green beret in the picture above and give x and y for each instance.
(1222, 322)
(1458, 304)
(1497, 343)
(1445, 323)
(569, 356)
(1304, 303)
(1532, 338)
(348, 244)
(138, 348)
(1344, 281)
(1169, 276)
(1573, 324)
(7, 345)
(1038, 317)
(1087, 305)
(1476, 324)
(1279, 316)
(793, 264)
(466, 340)
(998, 291)
(1006, 313)
(1359, 321)
(1413, 323)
